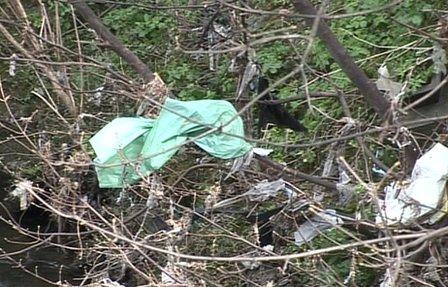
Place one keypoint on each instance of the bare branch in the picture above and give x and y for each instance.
(113, 42)
(345, 61)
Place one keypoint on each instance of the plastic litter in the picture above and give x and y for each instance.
(262, 151)
(265, 190)
(129, 148)
(250, 72)
(22, 193)
(245, 160)
(318, 223)
(421, 199)
(388, 280)
(13, 65)
(384, 83)
(262, 191)
(171, 275)
(252, 264)
(438, 57)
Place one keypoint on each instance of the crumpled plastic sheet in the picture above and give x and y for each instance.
(423, 196)
(129, 148)
(245, 160)
(384, 83)
(264, 190)
(22, 193)
(388, 280)
(321, 221)
(171, 276)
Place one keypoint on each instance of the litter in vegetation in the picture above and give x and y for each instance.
(438, 57)
(129, 148)
(389, 276)
(13, 65)
(262, 191)
(22, 193)
(384, 83)
(171, 275)
(423, 199)
(245, 160)
(321, 221)
(265, 190)
(108, 283)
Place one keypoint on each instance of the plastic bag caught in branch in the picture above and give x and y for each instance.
(438, 57)
(22, 193)
(318, 223)
(129, 148)
(245, 160)
(384, 83)
(265, 189)
(262, 191)
(422, 197)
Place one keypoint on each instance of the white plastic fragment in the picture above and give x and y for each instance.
(269, 248)
(22, 193)
(343, 177)
(251, 265)
(384, 83)
(290, 193)
(318, 223)
(378, 171)
(168, 275)
(240, 162)
(98, 95)
(441, 211)
(388, 280)
(405, 204)
(166, 279)
(245, 160)
(265, 189)
(249, 73)
(262, 151)
(13, 65)
(262, 191)
(438, 57)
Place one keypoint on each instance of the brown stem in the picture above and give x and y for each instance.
(296, 173)
(113, 42)
(344, 60)
(46, 69)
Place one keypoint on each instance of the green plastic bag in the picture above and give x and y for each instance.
(129, 148)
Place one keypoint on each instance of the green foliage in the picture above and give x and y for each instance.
(341, 261)
(273, 57)
(372, 39)
(370, 35)
(182, 72)
(273, 4)
(135, 26)
(151, 35)
(31, 171)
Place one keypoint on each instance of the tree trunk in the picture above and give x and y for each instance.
(113, 42)
(344, 60)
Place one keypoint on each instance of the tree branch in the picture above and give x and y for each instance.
(344, 60)
(114, 43)
(296, 173)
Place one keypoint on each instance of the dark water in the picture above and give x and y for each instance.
(12, 276)
(45, 261)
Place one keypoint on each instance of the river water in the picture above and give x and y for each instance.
(49, 263)
(11, 276)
